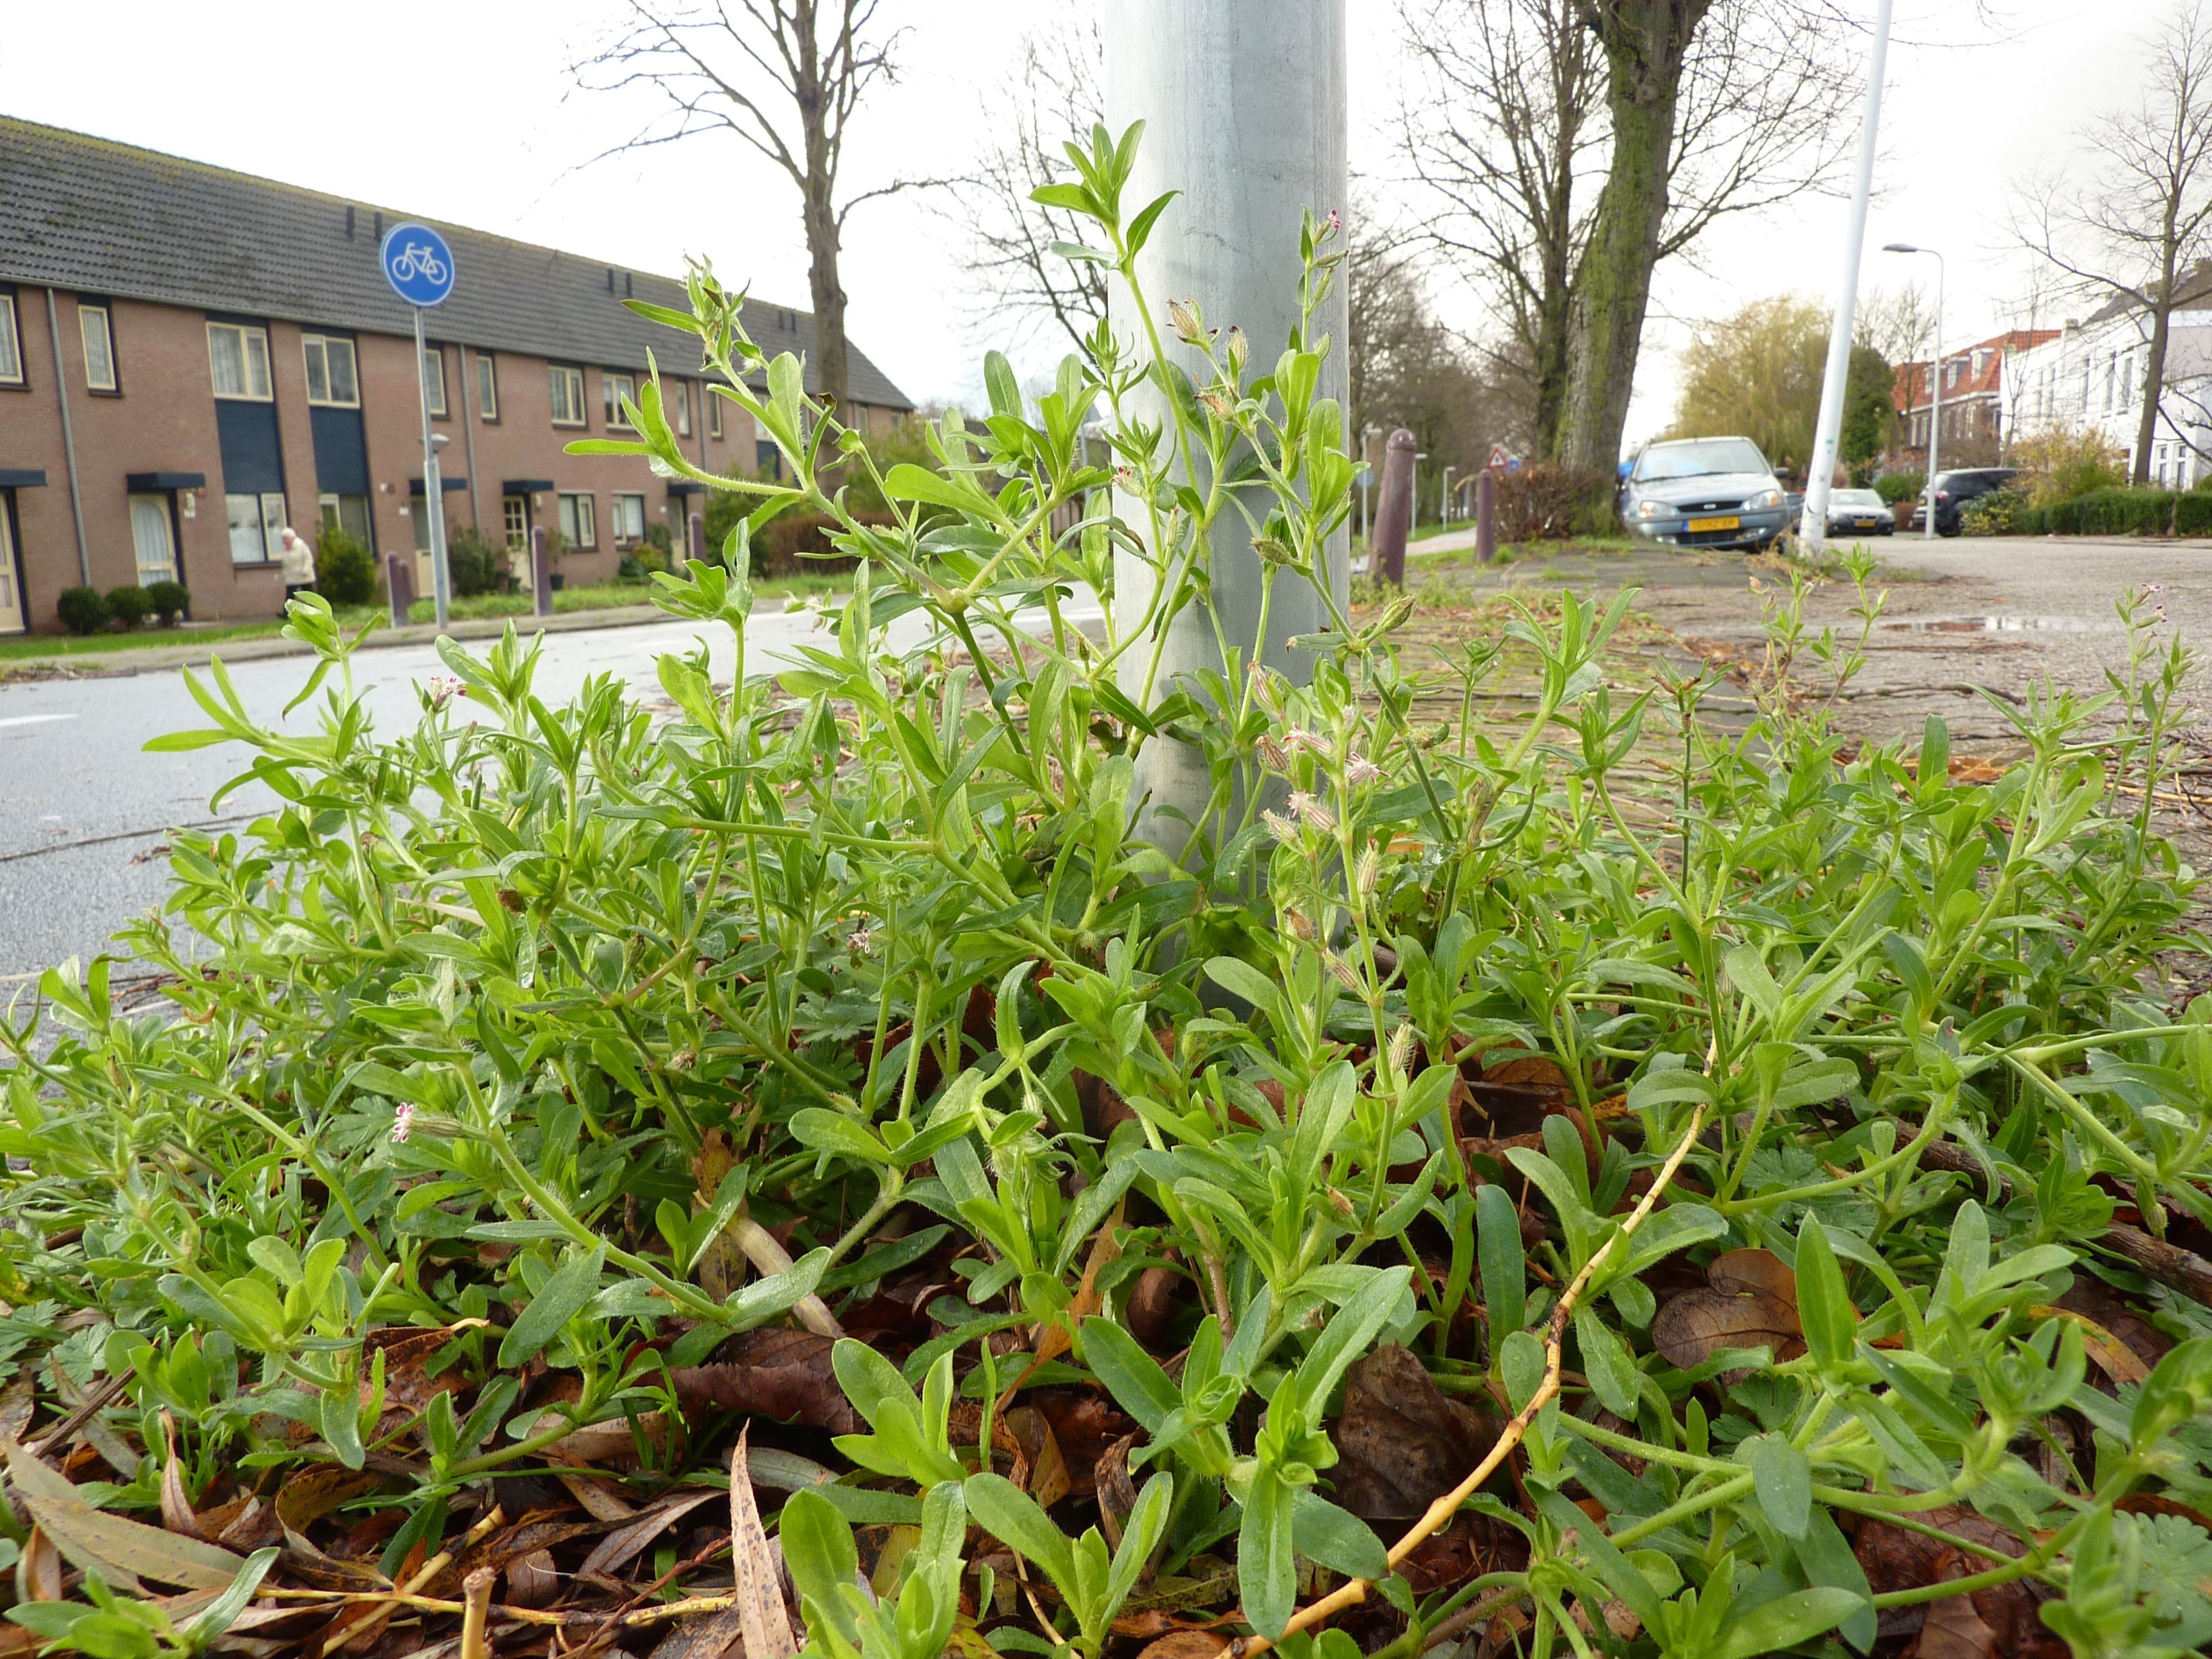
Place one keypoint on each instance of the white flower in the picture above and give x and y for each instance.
(1359, 769)
(861, 940)
(402, 1122)
(1311, 812)
(444, 687)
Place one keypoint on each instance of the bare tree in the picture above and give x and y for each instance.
(1897, 322)
(784, 76)
(2137, 218)
(1056, 87)
(1504, 129)
(1571, 146)
(1408, 369)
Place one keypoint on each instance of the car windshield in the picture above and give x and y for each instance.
(1855, 498)
(1695, 461)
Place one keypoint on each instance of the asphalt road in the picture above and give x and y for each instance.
(85, 813)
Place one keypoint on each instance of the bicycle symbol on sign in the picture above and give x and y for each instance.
(417, 260)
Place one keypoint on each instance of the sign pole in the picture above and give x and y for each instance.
(420, 268)
(433, 487)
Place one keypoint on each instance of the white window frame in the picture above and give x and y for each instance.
(487, 387)
(514, 521)
(11, 343)
(433, 386)
(714, 411)
(615, 386)
(85, 313)
(253, 353)
(315, 345)
(271, 519)
(627, 502)
(683, 408)
(569, 384)
(579, 518)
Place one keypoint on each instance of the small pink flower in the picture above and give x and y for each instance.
(444, 687)
(1298, 737)
(402, 1122)
(861, 940)
(1360, 769)
(1334, 222)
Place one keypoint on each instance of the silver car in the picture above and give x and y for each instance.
(1703, 492)
(1860, 512)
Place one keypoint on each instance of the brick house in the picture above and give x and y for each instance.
(230, 361)
(1976, 419)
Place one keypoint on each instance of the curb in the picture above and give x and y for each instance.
(157, 660)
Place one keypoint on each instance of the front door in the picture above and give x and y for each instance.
(149, 534)
(12, 620)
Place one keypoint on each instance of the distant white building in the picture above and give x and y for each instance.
(2090, 377)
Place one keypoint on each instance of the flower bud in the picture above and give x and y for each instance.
(1190, 324)
(1238, 349)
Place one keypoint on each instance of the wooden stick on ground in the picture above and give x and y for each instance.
(1440, 1513)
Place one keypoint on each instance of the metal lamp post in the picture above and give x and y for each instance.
(1449, 470)
(1934, 380)
(1820, 471)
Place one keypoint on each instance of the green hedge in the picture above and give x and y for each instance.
(2144, 512)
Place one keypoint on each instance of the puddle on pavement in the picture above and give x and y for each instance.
(1995, 624)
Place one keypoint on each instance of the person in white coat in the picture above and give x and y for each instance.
(299, 560)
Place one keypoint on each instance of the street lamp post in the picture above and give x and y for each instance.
(1934, 380)
(1449, 470)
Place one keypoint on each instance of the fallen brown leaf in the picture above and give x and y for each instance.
(767, 1627)
(1402, 1443)
(621, 1547)
(776, 1373)
(1750, 1301)
(1185, 1645)
(124, 1552)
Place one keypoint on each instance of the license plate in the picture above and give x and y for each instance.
(1863, 524)
(1696, 525)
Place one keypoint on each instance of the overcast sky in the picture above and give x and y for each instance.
(467, 111)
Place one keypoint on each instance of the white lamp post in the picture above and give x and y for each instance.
(1449, 470)
(1934, 378)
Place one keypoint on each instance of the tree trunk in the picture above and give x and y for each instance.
(2154, 388)
(1645, 42)
(827, 295)
(1552, 358)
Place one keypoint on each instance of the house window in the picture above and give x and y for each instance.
(11, 350)
(487, 387)
(580, 520)
(619, 388)
(434, 378)
(629, 518)
(347, 513)
(92, 322)
(681, 401)
(714, 414)
(568, 396)
(514, 518)
(333, 380)
(238, 356)
(256, 526)
(768, 459)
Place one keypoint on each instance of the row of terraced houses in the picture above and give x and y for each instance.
(192, 358)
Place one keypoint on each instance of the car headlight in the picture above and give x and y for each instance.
(1652, 509)
(1765, 498)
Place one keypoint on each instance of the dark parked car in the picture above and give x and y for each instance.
(1952, 490)
(1859, 513)
(1703, 492)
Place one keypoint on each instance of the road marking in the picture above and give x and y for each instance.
(35, 720)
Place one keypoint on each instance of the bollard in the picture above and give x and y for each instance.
(541, 573)
(698, 538)
(1486, 516)
(399, 586)
(1394, 510)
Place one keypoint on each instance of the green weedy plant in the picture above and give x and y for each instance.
(855, 967)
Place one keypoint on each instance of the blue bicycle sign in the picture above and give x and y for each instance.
(417, 263)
